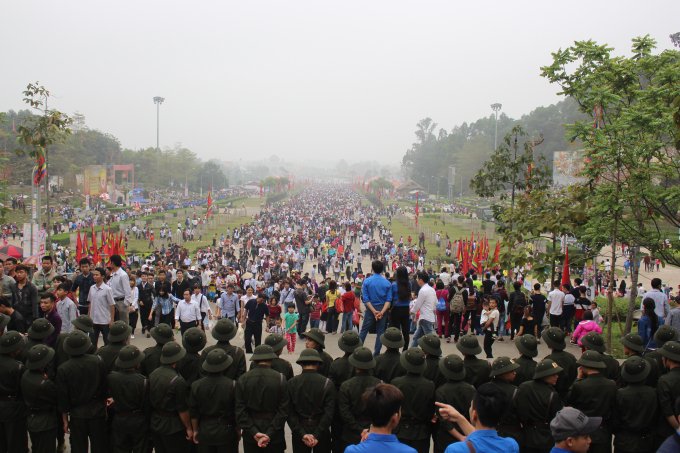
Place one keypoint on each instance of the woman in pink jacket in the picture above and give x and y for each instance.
(584, 328)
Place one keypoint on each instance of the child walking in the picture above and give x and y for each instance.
(489, 322)
(291, 319)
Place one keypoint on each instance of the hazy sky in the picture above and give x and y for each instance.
(328, 79)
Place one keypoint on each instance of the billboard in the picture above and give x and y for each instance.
(95, 180)
(567, 166)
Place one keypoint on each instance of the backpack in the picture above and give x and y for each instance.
(472, 301)
(520, 303)
(441, 304)
(457, 302)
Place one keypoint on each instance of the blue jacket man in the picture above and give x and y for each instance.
(376, 293)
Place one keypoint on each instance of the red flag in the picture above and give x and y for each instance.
(261, 190)
(121, 252)
(496, 252)
(79, 249)
(565, 270)
(86, 247)
(95, 250)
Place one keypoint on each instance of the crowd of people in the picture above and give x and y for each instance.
(316, 268)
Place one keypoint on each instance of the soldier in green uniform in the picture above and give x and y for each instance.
(223, 332)
(4, 322)
(162, 333)
(129, 391)
(635, 411)
(668, 392)
(118, 338)
(633, 346)
(39, 330)
(417, 407)
(277, 342)
(663, 334)
(193, 341)
(538, 405)
(340, 371)
(262, 404)
(40, 397)
(387, 364)
(312, 399)
(476, 370)
(211, 406)
(528, 349)
(555, 340)
(82, 322)
(170, 421)
(455, 392)
(350, 403)
(81, 386)
(504, 372)
(594, 395)
(314, 339)
(594, 342)
(13, 411)
(431, 346)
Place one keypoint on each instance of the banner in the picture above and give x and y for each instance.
(38, 243)
(95, 180)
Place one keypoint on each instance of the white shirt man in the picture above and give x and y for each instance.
(555, 302)
(187, 311)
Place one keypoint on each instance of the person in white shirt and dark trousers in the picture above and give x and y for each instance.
(202, 301)
(101, 308)
(120, 288)
(426, 303)
(187, 314)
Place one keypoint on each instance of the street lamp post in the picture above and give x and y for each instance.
(496, 107)
(158, 101)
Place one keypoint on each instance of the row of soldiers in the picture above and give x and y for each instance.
(192, 397)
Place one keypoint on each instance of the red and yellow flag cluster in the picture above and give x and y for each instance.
(474, 255)
(111, 244)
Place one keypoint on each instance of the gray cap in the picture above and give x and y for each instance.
(570, 422)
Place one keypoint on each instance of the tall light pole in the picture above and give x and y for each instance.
(158, 101)
(496, 107)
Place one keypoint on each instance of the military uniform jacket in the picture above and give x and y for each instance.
(312, 399)
(510, 425)
(568, 374)
(283, 366)
(537, 407)
(324, 368)
(152, 359)
(12, 405)
(81, 384)
(238, 368)
(262, 404)
(432, 371)
(526, 370)
(613, 370)
(60, 356)
(168, 394)
(40, 398)
(635, 415)
(658, 358)
(417, 408)
(130, 392)
(595, 396)
(458, 394)
(667, 391)
(351, 406)
(110, 353)
(29, 342)
(476, 371)
(341, 370)
(212, 401)
(190, 368)
(388, 366)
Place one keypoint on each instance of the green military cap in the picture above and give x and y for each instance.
(77, 343)
(39, 356)
(362, 358)
(263, 352)
(413, 360)
(555, 338)
(40, 329)
(527, 345)
(392, 338)
(11, 341)
(84, 323)
(194, 339)
(172, 352)
(635, 369)
(431, 344)
(452, 367)
(316, 335)
(310, 355)
(665, 333)
(216, 361)
(633, 341)
(469, 345)
(503, 365)
(350, 340)
(162, 333)
(594, 341)
(119, 331)
(276, 341)
(129, 357)
(670, 350)
(224, 330)
(546, 367)
(4, 320)
(591, 359)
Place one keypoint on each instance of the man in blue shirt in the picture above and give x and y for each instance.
(383, 407)
(571, 430)
(487, 410)
(252, 314)
(377, 295)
